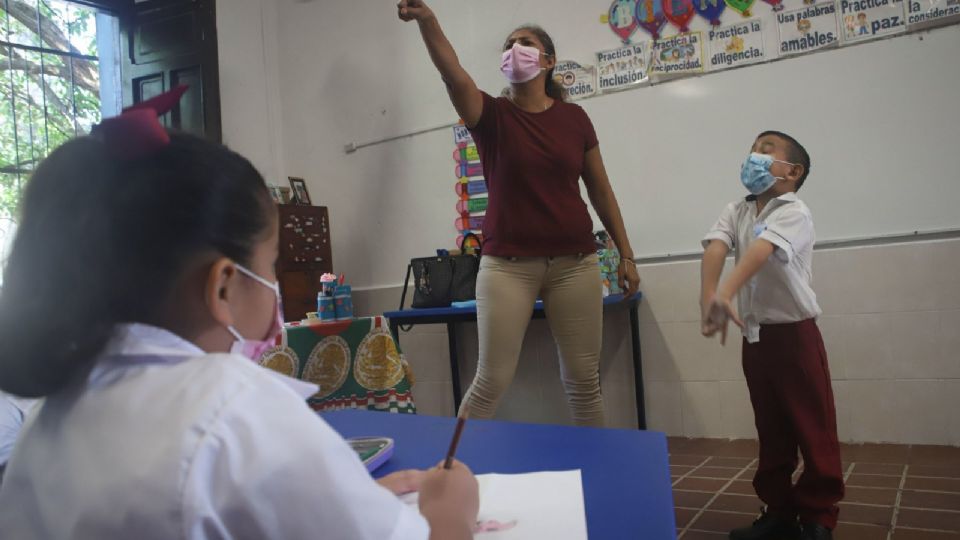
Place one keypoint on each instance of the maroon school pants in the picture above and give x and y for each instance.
(789, 383)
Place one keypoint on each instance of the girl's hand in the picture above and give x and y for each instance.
(452, 493)
(402, 482)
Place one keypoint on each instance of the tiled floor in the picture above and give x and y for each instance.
(894, 492)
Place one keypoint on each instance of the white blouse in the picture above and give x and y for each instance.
(13, 410)
(165, 441)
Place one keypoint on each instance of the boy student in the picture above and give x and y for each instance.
(784, 360)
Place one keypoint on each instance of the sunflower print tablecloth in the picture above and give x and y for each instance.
(356, 364)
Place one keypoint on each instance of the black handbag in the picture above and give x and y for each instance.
(441, 280)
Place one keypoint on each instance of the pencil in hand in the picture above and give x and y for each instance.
(461, 420)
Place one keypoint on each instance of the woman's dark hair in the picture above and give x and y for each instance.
(554, 90)
(102, 241)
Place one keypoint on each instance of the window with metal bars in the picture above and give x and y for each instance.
(59, 75)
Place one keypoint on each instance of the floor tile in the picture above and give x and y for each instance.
(933, 484)
(935, 455)
(930, 500)
(684, 515)
(929, 505)
(866, 495)
(866, 514)
(915, 534)
(674, 443)
(848, 531)
(721, 521)
(715, 472)
(871, 480)
(711, 485)
(737, 503)
(686, 459)
(741, 487)
(704, 447)
(937, 471)
(875, 453)
(703, 535)
(878, 468)
(741, 448)
(690, 499)
(929, 519)
(734, 462)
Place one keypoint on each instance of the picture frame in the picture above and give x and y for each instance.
(286, 195)
(300, 194)
(275, 194)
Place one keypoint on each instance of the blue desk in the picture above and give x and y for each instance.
(451, 316)
(626, 476)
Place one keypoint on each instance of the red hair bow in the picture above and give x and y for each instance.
(137, 131)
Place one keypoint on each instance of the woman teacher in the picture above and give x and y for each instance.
(538, 237)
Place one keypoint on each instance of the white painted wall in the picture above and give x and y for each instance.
(301, 78)
(891, 326)
(350, 71)
(250, 98)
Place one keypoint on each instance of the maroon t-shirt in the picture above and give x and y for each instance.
(532, 163)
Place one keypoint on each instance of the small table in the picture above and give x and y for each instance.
(355, 364)
(453, 315)
(626, 476)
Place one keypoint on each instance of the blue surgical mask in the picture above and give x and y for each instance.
(755, 173)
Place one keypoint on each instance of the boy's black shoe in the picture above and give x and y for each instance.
(768, 527)
(815, 531)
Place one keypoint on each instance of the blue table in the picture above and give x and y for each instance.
(451, 316)
(626, 476)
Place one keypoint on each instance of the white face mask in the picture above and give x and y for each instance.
(254, 349)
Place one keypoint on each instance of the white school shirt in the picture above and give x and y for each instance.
(165, 441)
(13, 410)
(780, 291)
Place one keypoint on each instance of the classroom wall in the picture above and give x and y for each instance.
(890, 321)
(351, 72)
(891, 326)
(250, 84)
(335, 72)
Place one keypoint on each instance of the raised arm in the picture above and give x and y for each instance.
(464, 94)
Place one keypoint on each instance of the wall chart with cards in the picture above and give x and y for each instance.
(470, 186)
(867, 85)
(662, 39)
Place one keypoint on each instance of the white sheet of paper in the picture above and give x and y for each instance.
(531, 505)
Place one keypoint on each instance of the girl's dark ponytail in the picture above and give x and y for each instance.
(102, 241)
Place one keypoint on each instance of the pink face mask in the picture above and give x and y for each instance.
(254, 349)
(521, 63)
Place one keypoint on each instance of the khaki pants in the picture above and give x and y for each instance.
(572, 293)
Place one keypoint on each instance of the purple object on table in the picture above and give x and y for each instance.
(373, 451)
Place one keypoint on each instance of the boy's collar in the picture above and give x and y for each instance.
(790, 196)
